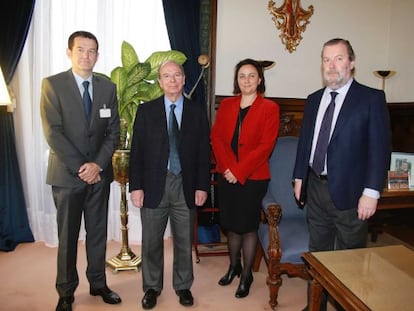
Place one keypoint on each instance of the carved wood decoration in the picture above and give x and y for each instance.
(291, 19)
(276, 268)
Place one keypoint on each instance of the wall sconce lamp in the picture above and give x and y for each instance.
(384, 74)
(204, 62)
(5, 99)
(267, 64)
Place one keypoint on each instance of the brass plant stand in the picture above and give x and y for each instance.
(126, 259)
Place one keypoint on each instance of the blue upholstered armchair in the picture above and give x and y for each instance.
(284, 233)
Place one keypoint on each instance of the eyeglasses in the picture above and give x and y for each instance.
(174, 76)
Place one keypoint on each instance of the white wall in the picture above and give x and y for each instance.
(401, 87)
(379, 31)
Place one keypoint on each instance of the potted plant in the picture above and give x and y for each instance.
(136, 83)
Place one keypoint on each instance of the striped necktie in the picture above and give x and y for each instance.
(173, 132)
(87, 102)
(323, 138)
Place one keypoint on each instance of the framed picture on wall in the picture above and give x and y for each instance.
(403, 162)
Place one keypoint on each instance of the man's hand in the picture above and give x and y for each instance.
(137, 198)
(367, 207)
(89, 173)
(200, 197)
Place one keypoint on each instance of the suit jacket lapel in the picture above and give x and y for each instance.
(78, 102)
(97, 94)
(184, 121)
(160, 110)
(348, 108)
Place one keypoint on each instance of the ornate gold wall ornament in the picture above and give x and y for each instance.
(291, 19)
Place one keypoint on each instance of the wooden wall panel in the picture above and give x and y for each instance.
(401, 115)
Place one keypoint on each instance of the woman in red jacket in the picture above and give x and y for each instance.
(243, 137)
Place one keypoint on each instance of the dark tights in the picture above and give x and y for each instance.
(246, 242)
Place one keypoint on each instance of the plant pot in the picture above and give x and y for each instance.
(120, 164)
(126, 259)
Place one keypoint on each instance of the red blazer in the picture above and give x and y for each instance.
(258, 134)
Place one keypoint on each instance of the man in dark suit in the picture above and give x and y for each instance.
(344, 181)
(81, 125)
(169, 185)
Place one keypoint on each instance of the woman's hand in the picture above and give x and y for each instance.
(228, 175)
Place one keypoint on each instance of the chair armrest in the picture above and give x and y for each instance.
(274, 250)
(273, 214)
(267, 200)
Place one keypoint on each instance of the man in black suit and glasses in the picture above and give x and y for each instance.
(169, 176)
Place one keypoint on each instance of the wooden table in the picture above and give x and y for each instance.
(377, 278)
(393, 199)
(390, 201)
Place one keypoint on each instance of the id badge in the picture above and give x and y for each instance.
(104, 113)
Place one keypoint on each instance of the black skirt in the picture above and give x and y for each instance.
(240, 205)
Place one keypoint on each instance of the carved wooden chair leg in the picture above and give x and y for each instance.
(274, 282)
(274, 251)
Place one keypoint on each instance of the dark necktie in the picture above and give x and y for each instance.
(87, 102)
(175, 166)
(323, 138)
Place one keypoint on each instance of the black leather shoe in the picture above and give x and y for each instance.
(65, 303)
(150, 299)
(107, 295)
(231, 274)
(186, 299)
(244, 286)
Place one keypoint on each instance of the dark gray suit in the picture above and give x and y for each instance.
(166, 195)
(73, 141)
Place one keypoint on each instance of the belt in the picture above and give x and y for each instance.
(321, 177)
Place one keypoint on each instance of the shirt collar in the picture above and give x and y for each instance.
(178, 104)
(342, 90)
(79, 79)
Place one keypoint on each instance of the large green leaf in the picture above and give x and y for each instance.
(130, 94)
(148, 91)
(129, 57)
(119, 76)
(138, 73)
(157, 58)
